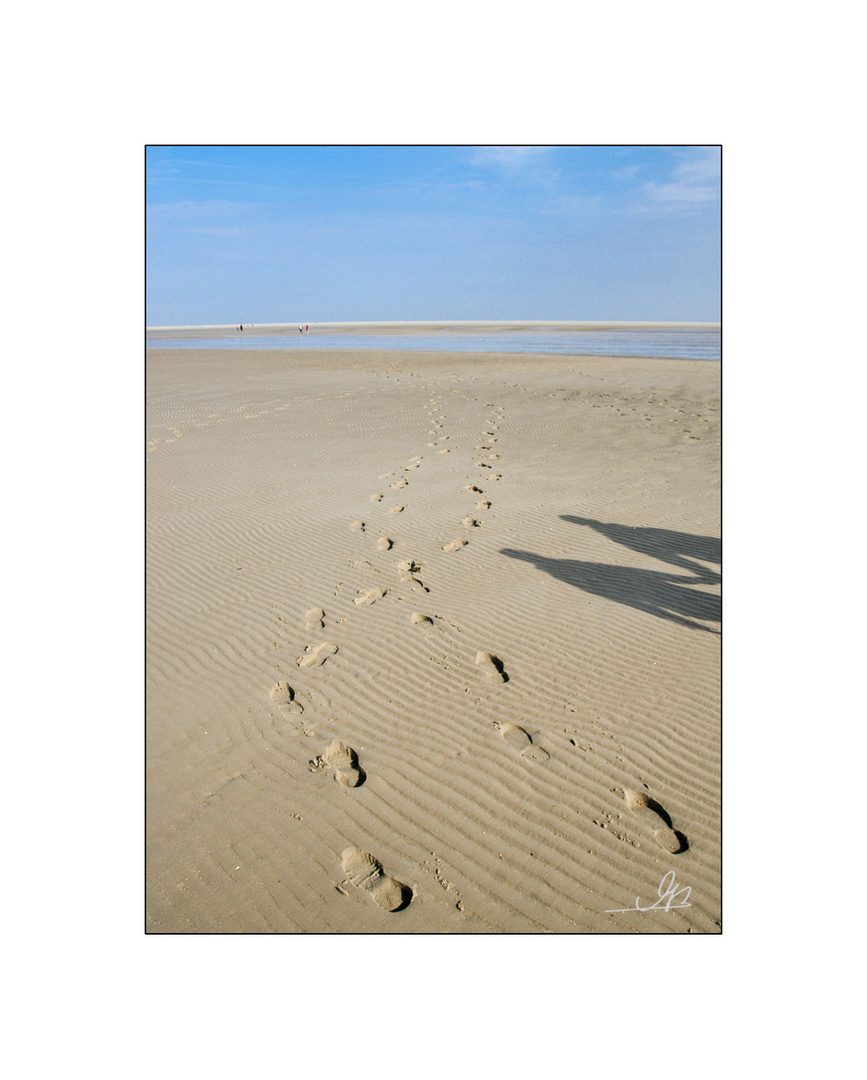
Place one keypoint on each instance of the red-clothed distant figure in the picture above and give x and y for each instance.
(307, 328)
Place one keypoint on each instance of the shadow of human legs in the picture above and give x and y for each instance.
(655, 591)
(676, 548)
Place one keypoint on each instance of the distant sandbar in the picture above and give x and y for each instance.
(470, 326)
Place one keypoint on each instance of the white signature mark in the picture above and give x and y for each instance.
(669, 892)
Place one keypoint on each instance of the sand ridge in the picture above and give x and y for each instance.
(566, 652)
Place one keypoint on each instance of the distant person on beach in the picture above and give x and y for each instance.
(307, 328)
(300, 329)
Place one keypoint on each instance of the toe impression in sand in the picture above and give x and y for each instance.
(492, 666)
(517, 738)
(370, 596)
(651, 813)
(344, 760)
(408, 570)
(365, 872)
(283, 695)
(316, 655)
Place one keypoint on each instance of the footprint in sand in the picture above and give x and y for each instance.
(407, 571)
(315, 618)
(283, 695)
(357, 526)
(470, 522)
(415, 583)
(517, 738)
(649, 812)
(316, 655)
(370, 596)
(384, 543)
(492, 666)
(365, 872)
(455, 545)
(418, 619)
(398, 484)
(483, 504)
(397, 510)
(377, 497)
(417, 457)
(446, 451)
(474, 487)
(344, 760)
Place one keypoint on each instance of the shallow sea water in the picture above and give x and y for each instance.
(677, 344)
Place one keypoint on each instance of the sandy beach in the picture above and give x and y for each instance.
(432, 643)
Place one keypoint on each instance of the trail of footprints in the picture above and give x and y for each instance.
(361, 869)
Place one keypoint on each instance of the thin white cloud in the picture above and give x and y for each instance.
(507, 157)
(628, 172)
(696, 180)
(524, 162)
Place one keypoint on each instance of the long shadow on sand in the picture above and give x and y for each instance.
(676, 548)
(658, 592)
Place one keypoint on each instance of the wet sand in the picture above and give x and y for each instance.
(466, 326)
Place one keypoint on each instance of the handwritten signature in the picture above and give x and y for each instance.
(669, 891)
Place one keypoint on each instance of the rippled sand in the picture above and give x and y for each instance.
(433, 642)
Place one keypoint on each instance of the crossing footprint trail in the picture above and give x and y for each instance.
(362, 869)
(408, 569)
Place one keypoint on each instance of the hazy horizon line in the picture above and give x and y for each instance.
(445, 324)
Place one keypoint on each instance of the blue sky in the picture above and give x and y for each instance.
(321, 234)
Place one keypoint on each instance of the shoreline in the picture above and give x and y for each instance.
(422, 327)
